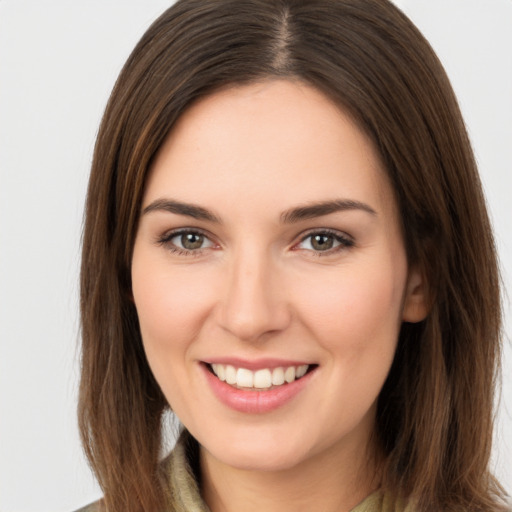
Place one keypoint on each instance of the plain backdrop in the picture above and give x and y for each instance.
(58, 62)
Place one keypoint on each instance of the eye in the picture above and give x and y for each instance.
(186, 241)
(325, 241)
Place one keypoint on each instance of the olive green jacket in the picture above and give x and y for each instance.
(185, 495)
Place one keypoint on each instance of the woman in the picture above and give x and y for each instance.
(287, 244)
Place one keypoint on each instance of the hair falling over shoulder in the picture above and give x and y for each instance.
(435, 412)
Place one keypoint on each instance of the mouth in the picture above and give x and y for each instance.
(262, 379)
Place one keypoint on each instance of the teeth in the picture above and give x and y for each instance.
(221, 371)
(244, 378)
(301, 371)
(230, 373)
(278, 376)
(260, 379)
(289, 374)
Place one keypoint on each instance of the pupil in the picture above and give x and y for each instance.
(192, 241)
(322, 242)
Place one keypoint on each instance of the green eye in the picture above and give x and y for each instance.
(186, 241)
(325, 241)
(322, 242)
(191, 241)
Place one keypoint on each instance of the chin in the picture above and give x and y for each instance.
(261, 460)
(263, 452)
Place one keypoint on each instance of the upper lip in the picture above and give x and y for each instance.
(256, 364)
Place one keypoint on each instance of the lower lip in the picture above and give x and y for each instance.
(255, 402)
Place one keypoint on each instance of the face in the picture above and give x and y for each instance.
(270, 276)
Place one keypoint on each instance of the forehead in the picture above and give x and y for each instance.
(271, 137)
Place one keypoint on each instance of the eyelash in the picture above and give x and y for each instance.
(165, 240)
(345, 242)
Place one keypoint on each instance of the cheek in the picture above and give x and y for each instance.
(356, 310)
(171, 306)
(356, 319)
(166, 301)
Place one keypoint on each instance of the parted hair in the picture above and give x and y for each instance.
(435, 412)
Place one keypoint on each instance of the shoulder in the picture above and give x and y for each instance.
(381, 501)
(92, 507)
(181, 467)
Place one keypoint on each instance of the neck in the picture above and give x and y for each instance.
(334, 481)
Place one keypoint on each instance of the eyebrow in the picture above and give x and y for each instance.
(187, 209)
(291, 216)
(310, 211)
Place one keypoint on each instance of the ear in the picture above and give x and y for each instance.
(415, 308)
(129, 294)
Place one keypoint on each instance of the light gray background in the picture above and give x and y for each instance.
(58, 62)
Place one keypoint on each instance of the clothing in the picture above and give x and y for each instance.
(184, 490)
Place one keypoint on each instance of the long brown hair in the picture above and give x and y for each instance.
(435, 411)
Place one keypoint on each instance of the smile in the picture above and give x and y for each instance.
(265, 378)
(264, 388)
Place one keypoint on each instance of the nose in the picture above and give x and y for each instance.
(254, 301)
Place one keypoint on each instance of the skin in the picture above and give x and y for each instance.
(257, 287)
